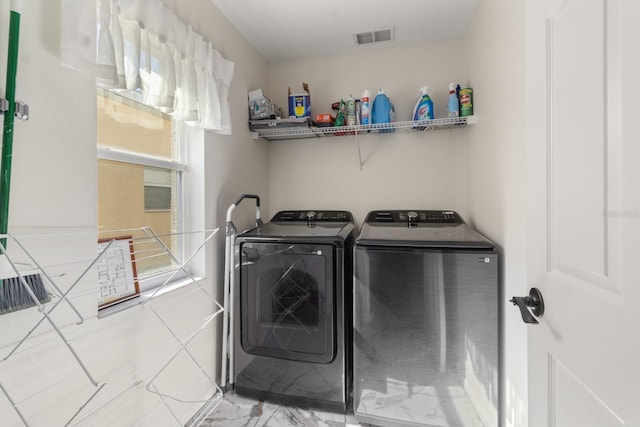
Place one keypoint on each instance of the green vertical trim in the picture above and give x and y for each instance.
(7, 138)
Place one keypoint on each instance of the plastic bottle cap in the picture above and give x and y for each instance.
(424, 89)
(452, 86)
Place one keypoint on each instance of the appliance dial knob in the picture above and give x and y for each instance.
(311, 215)
(413, 216)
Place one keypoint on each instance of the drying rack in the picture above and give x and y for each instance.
(46, 311)
(209, 403)
(63, 278)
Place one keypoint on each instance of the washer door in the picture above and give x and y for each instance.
(287, 301)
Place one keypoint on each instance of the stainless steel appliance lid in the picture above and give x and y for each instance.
(304, 224)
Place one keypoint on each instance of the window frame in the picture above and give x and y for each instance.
(125, 156)
(150, 285)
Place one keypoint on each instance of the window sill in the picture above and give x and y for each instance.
(146, 296)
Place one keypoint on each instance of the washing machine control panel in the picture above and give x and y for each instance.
(313, 215)
(414, 217)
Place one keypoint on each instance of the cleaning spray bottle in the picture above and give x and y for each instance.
(342, 111)
(351, 111)
(365, 108)
(453, 107)
(423, 110)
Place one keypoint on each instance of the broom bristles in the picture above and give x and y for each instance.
(14, 296)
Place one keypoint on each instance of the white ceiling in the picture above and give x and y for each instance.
(283, 30)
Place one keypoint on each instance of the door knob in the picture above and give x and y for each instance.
(531, 306)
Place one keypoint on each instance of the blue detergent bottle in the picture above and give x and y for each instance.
(382, 110)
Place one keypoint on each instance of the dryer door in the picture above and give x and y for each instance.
(287, 301)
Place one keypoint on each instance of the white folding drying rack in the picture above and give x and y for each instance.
(210, 403)
(154, 246)
(46, 310)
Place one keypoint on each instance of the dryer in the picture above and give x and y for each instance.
(293, 309)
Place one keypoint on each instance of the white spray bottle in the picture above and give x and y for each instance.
(365, 106)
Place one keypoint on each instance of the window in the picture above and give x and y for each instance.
(140, 177)
(157, 189)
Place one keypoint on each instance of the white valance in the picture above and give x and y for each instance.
(142, 47)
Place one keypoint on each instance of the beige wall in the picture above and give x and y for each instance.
(496, 180)
(477, 170)
(121, 207)
(54, 191)
(121, 198)
(122, 125)
(401, 170)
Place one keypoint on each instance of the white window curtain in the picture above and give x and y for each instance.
(141, 47)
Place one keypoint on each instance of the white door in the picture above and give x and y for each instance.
(583, 131)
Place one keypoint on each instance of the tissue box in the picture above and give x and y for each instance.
(261, 107)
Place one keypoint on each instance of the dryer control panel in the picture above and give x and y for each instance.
(312, 215)
(414, 216)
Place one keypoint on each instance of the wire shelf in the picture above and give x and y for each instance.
(273, 132)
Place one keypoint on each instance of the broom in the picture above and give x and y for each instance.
(16, 293)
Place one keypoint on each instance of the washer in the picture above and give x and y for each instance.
(426, 322)
(293, 309)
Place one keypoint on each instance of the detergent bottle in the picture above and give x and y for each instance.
(423, 110)
(382, 111)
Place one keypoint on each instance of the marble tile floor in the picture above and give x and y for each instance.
(239, 411)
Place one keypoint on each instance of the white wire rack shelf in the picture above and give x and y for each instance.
(274, 132)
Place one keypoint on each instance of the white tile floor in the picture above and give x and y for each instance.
(238, 411)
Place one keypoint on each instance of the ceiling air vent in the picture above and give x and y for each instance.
(375, 36)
